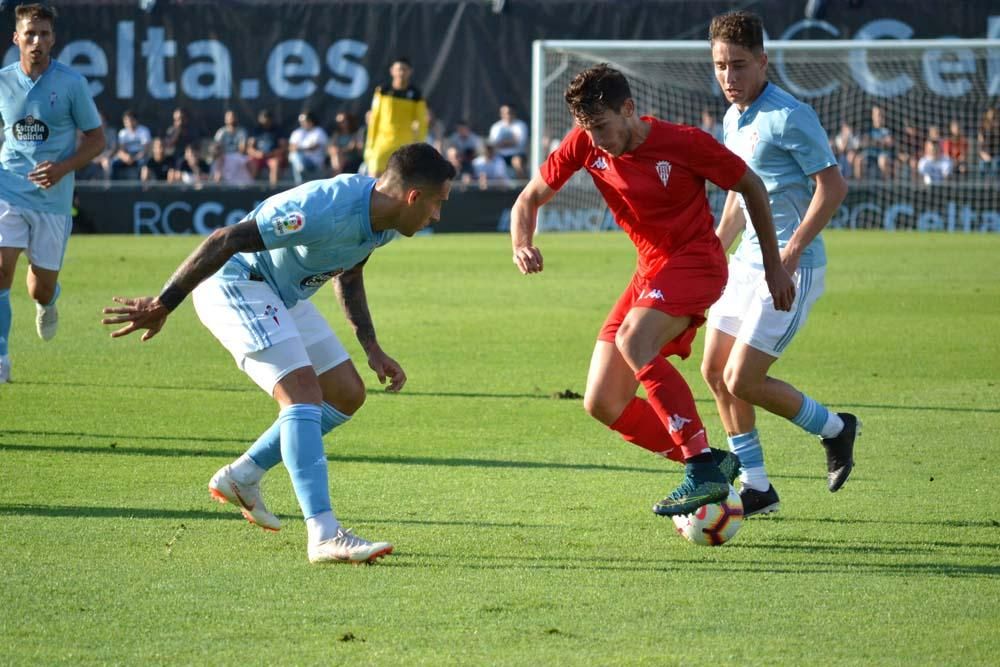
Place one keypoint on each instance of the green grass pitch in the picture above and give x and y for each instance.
(522, 527)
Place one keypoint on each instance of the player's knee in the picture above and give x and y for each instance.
(714, 377)
(600, 407)
(631, 346)
(741, 385)
(353, 398)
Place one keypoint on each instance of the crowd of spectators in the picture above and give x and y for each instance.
(929, 155)
(234, 154)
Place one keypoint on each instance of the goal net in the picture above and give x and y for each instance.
(884, 104)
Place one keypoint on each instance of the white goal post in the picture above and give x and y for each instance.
(943, 91)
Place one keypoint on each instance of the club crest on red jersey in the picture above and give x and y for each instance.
(663, 171)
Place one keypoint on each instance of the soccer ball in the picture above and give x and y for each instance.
(714, 524)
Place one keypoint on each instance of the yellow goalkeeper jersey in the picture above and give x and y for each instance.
(398, 117)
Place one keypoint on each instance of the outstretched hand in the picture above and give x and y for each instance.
(386, 367)
(144, 312)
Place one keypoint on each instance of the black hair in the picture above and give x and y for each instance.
(420, 165)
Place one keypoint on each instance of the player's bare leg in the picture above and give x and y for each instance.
(43, 287)
(8, 265)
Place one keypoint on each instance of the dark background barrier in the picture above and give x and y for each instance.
(125, 209)
(468, 58)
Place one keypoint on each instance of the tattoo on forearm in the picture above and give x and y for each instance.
(350, 288)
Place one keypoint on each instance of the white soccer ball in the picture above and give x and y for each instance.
(712, 525)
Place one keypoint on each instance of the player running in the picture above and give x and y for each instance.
(652, 175)
(251, 285)
(43, 104)
(782, 140)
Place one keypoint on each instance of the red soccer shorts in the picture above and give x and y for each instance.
(685, 286)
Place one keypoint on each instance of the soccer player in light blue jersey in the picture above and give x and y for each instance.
(251, 285)
(781, 139)
(43, 104)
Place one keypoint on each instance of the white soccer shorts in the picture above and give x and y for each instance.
(43, 235)
(267, 340)
(746, 310)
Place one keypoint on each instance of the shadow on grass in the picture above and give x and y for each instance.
(379, 391)
(91, 512)
(337, 458)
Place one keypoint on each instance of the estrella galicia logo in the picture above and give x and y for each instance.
(318, 279)
(31, 130)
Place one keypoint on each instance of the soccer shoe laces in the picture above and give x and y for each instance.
(350, 540)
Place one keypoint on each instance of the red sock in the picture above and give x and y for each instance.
(671, 399)
(639, 425)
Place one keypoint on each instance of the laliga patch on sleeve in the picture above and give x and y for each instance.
(288, 224)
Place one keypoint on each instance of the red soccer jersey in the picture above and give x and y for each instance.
(656, 192)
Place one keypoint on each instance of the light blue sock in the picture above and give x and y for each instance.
(5, 319)
(812, 416)
(302, 451)
(55, 295)
(266, 451)
(747, 446)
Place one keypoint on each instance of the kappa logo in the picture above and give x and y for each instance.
(663, 171)
(288, 224)
(599, 163)
(652, 294)
(677, 423)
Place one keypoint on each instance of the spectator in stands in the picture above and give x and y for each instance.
(307, 147)
(877, 148)
(191, 170)
(133, 143)
(98, 168)
(435, 131)
(231, 136)
(935, 167)
(988, 140)
(158, 166)
(490, 169)
(266, 147)
(711, 125)
(845, 146)
(347, 145)
(229, 167)
(956, 146)
(910, 149)
(179, 135)
(509, 136)
(398, 117)
(467, 143)
(462, 174)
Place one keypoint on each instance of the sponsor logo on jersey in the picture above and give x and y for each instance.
(31, 130)
(288, 224)
(663, 171)
(318, 279)
(599, 163)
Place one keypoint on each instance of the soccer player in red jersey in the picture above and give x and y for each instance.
(652, 175)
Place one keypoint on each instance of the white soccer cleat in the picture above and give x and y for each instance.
(347, 547)
(247, 497)
(46, 321)
(4, 369)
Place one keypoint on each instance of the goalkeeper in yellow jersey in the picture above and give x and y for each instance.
(398, 117)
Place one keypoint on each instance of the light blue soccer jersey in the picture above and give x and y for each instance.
(781, 139)
(41, 119)
(312, 233)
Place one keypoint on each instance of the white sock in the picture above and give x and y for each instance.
(833, 426)
(245, 471)
(323, 526)
(755, 478)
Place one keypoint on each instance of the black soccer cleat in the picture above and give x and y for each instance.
(840, 452)
(728, 463)
(759, 502)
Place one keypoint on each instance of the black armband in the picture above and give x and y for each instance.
(172, 296)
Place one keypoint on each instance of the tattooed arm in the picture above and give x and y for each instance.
(350, 288)
(151, 313)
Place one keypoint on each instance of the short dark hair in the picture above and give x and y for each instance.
(402, 59)
(35, 12)
(419, 165)
(738, 27)
(595, 90)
